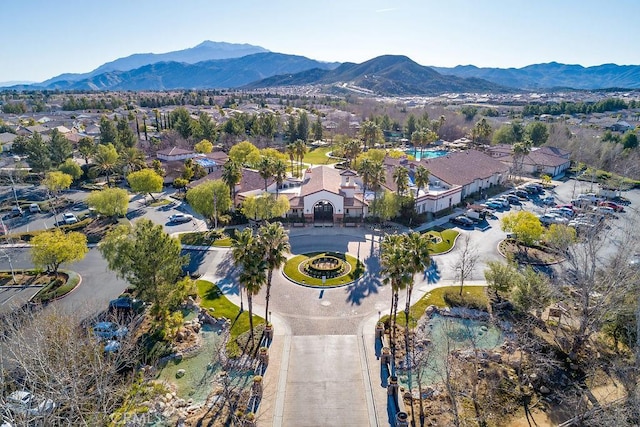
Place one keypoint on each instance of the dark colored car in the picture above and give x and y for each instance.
(513, 199)
(126, 304)
(522, 194)
(462, 220)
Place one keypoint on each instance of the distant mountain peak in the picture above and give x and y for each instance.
(206, 51)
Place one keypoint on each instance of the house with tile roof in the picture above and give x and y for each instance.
(540, 162)
(326, 194)
(471, 170)
(175, 153)
(6, 140)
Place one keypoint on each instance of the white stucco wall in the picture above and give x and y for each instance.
(336, 200)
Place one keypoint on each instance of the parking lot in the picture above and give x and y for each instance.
(75, 204)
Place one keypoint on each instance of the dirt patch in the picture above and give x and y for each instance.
(26, 279)
(97, 229)
(527, 254)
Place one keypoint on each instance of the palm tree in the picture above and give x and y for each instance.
(247, 254)
(301, 150)
(418, 253)
(481, 130)
(417, 249)
(253, 277)
(393, 260)
(231, 175)
(132, 159)
(106, 159)
(401, 179)
(265, 169)
(364, 169)
(351, 150)
(417, 139)
(291, 151)
(370, 133)
(520, 151)
(421, 178)
(279, 174)
(274, 242)
(377, 177)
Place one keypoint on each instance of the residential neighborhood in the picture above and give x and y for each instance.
(217, 259)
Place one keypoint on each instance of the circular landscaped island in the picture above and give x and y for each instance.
(323, 269)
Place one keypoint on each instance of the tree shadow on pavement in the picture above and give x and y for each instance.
(226, 266)
(367, 285)
(432, 273)
(229, 285)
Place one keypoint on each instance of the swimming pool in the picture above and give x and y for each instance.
(426, 154)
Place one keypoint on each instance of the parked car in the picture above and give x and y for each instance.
(34, 208)
(591, 197)
(109, 330)
(606, 210)
(15, 211)
(548, 201)
(475, 216)
(513, 199)
(24, 403)
(493, 204)
(462, 221)
(616, 207)
(550, 218)
(69, 218)
(180, 217)
(3, 230)
(533, 188)
(566, 212)
(503, 200)
(522, 194)
(126, 304)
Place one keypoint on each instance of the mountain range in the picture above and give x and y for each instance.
(227, 65)
(386, 75)
(554, 75)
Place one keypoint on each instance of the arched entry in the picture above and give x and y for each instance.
(323, 211)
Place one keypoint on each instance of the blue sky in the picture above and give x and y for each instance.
(40, 39)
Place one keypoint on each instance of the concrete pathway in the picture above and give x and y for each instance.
(323, 368)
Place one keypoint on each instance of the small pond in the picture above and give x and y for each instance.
(453, 333)
(202, 369)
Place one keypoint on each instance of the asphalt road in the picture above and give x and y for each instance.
(347, 306)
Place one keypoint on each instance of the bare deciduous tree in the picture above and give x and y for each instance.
(466, 260)
(49, 354)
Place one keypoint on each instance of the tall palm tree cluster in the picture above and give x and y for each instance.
(257, 256)
(402, 256)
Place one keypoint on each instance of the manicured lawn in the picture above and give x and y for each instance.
(159, 202)
(318, 156)
(445, 239)
(435, 297)
(211, 297)
(292, 271)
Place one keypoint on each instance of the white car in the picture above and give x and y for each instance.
(550, 218)
(180, 217)
(69, 218)
(24, 403)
